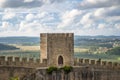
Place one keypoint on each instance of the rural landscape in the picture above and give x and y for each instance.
(59, 39)
(92, 47)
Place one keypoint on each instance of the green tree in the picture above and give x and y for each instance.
(67, 69)
(114, 51)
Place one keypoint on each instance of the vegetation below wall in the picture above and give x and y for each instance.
(51, 69)
(14, 78)
(66, 69)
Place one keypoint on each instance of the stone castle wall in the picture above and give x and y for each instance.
(34, 63)
(78, 73)
(29, 68)
(43, 47)
(60, 45)
(54, 45)
(18, 67)
(7, 72)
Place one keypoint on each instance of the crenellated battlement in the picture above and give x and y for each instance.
(31, 62)
(56, 35)
(20, 62)
(96, 63)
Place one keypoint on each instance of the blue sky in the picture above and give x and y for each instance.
(82, 17)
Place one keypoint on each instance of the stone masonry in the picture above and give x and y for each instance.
(57, 48)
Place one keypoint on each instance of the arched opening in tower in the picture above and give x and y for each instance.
(60, 60)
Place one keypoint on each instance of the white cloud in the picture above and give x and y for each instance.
(86, 19)
(99, 12)
(28, 0)
(38, 22)
(32, 27)
(117, 26)
(5, 25)
(87, 26)
(68, 18)
(42, 14)
(8, 15)
(101, 26)
(106, 12)
(29, 17)
(2, 2)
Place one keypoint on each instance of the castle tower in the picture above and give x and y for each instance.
(57, 48)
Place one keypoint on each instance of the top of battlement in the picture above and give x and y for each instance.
(20, 61)
(96, 63)
(56, 34)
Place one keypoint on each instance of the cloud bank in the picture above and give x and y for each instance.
(82, 17)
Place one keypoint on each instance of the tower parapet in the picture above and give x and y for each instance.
(57, 49)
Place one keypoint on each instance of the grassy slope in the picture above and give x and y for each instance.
(24, 51)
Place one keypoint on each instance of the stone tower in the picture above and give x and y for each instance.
(57, 48)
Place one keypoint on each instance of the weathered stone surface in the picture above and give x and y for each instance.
(55, 45)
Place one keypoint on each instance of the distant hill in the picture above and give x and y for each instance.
(97, 41)
(20, 40)
(7, 47)
(97, 37)
(79, 40)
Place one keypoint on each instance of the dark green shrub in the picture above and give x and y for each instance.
(14, 78)
(51, 69)
(67, 69)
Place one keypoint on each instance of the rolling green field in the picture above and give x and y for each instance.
(20, 53)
